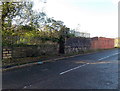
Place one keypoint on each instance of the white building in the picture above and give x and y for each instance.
(80, 34)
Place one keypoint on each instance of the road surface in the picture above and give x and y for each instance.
(90, 71)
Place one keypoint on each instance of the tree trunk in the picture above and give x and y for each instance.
(62, 45)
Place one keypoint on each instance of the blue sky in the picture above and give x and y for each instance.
(97, 17)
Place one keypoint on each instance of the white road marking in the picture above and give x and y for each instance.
(108, 56)
(86, 64)
(25, 87)
(72, 69)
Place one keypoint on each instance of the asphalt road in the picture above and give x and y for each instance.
(91, 71)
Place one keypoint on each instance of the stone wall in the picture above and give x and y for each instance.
(77, 45)
(7, 52)
(29, 51)
(72, 45)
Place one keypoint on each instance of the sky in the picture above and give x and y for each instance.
(97, 17)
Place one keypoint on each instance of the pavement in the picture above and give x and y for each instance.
(90, 71)
(5, 68)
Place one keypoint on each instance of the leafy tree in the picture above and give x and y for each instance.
(58, 32)
(9, 11)
(28, 22)
(63, 34)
